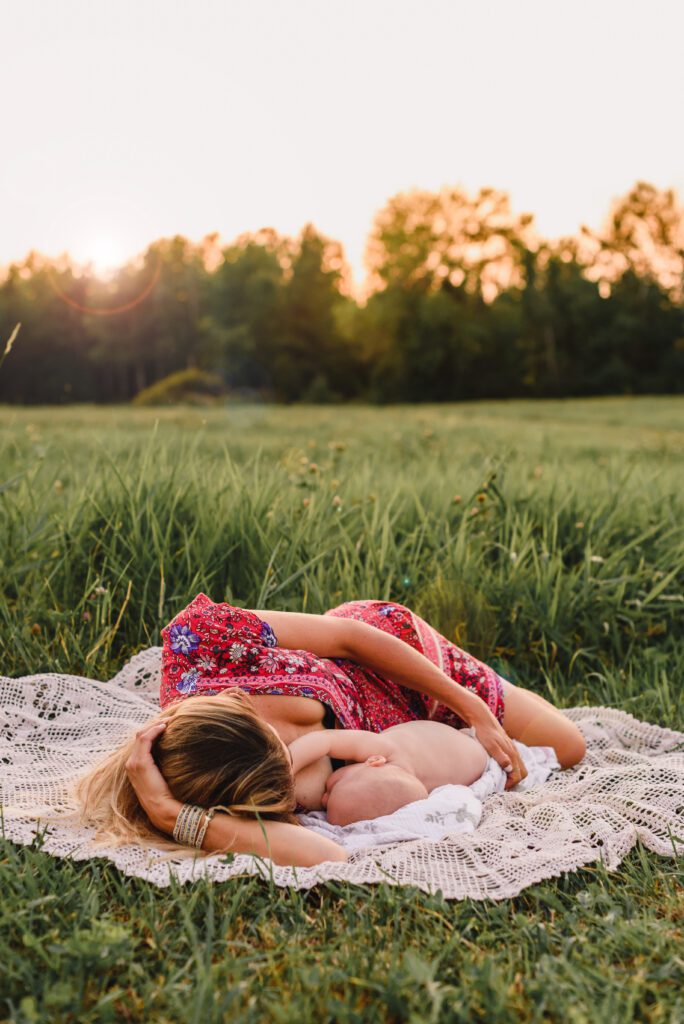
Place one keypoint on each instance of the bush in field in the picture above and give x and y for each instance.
(193, 386)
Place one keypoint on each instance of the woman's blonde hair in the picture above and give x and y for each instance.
(215, 751)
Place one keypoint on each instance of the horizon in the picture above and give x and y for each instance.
(350, 104)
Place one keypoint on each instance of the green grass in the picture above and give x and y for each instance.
(570, 577)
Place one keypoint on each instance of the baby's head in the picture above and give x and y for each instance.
(359, 792)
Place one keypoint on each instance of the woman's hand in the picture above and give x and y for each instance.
(498, 745)
(149, 784)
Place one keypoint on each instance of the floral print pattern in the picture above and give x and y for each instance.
(209, 648)
(188, 682)
(183, 640)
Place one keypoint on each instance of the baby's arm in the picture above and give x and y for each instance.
(347, 744)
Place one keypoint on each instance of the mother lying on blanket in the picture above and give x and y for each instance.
(363, 665)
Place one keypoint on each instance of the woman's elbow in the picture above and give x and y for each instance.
(355, 637)
(323, 854)
(340, 854)
(305, 850)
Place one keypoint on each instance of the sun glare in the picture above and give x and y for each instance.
(103, 252)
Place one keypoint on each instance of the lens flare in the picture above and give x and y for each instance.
(100, 232)
(121, 307)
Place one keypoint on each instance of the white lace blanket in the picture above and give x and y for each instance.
(630, 786)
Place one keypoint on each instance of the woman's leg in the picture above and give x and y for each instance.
(535, 722)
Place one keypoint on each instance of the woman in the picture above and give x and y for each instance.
(362, 665)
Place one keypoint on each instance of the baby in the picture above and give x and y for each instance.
(392, 768)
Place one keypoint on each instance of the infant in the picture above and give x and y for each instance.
(390, 769)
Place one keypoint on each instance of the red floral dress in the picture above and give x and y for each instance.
(208, 648)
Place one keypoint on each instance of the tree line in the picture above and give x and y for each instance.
(464, 300)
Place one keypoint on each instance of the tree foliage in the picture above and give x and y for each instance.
(465, 301)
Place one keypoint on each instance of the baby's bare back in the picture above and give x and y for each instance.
(438, 754)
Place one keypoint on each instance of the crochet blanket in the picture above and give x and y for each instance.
(477, 842)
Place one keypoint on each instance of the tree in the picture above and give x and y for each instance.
(428, 238)
(313, 359)
(644, 235)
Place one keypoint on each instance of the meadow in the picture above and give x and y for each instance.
(546, 537)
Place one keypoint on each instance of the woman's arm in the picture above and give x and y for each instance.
(330, 637)
(283, 843)
(391, 657)
(346, 744)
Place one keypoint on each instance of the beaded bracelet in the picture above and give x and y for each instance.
(188, 824)
(199, 839)
(189, 829)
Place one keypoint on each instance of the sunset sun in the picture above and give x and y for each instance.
(104, 252)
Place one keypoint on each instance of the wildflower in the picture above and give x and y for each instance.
(474, 510)
(538, 472)
(313, 467)
(514, 556)
(337, 446)
(101, 590)
(306, 502)
(337, 501)
(457, 499)
(304, 460)
(481, 497)
(86, 616)
(372, 496)
(312, 443)
(334, 484)
(597, 559)
(35, 629)
(579, 525)
(58, 486)
(183, 640)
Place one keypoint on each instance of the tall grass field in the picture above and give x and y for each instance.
(545, 537)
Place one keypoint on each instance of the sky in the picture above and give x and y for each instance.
(128, 120)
